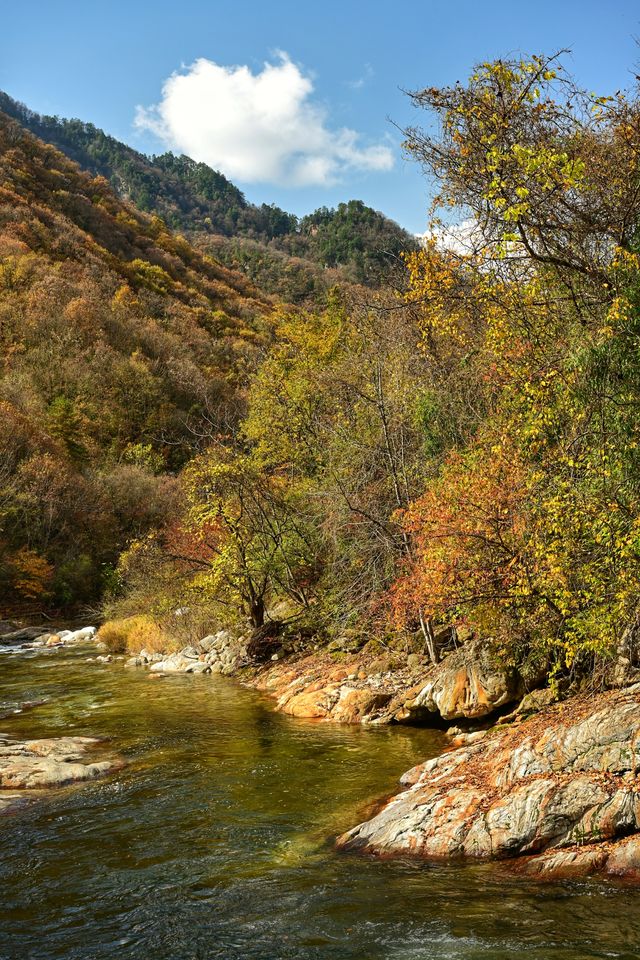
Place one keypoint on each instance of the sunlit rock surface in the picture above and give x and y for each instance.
(47, 763)
(560, 783)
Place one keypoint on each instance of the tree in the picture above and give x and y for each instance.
(257, 543)
(334, 406)
(547, 171)
(529, 530)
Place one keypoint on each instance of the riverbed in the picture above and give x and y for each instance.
(215, 840)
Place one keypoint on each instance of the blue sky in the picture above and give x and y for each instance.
(347, 63)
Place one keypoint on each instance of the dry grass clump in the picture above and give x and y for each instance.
(133, 634)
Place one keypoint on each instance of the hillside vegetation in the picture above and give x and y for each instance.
(451, 457)
(190, 196)
(122, 348)
(464, 455)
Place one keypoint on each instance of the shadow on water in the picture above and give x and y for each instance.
(214, 841)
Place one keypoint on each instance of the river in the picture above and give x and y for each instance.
(215, 840)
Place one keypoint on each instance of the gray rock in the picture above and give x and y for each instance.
(199, 667)
(548, 784)
(34, 764)
(207, 643)
(77, 636)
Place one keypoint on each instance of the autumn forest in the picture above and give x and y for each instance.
(322, 426)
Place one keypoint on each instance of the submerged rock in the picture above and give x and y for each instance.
(560, 781)
(10, 799)
(12, 707)
(35, 764)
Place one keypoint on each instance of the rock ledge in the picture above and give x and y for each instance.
(561, 789)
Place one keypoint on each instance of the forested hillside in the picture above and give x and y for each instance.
(463, 455)
(455, 455)
(190, 196)
(122, 350)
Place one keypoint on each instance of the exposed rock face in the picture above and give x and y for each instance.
(554, 783)
(336, 700)
(34, 764)
(315, 688)
(618, 859)
(469, 683)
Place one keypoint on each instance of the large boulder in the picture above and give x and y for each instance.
(470, 683)
(78, 636)
(564, 779)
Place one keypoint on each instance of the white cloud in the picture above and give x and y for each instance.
(460, 238)
(257, 127)
(360, 82)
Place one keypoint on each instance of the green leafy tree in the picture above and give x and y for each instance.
(257, 544)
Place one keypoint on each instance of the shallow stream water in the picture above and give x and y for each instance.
(215, 840)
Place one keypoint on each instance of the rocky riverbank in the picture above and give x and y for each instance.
(469, 684)
(558, 793)
(551, 788)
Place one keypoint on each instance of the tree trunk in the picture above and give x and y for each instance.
(257, 613)
(430, 640)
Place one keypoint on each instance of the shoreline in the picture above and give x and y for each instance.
(553, 789)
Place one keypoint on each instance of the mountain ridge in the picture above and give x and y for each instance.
(353, 238)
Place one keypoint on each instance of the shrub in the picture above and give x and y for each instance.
(133, 634)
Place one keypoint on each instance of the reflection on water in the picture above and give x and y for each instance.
(214, 841)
